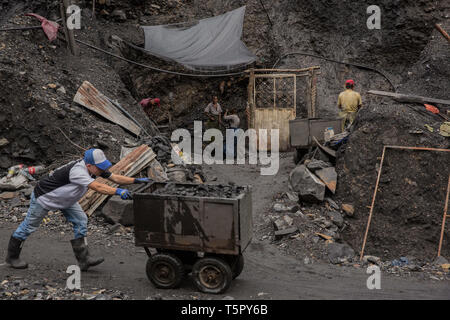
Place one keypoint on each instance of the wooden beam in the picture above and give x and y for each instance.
(442, 31)
(132, 164)
(408, 98)
(70, 38)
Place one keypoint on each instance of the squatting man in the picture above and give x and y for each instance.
(61, 190)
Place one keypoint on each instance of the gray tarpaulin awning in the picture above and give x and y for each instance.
(212, 43)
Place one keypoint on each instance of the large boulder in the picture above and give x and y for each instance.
(120, 211)
(306, 184)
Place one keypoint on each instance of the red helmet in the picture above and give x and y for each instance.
(157, 101)
(350, 81)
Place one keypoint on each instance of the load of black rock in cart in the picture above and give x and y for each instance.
(203, 190)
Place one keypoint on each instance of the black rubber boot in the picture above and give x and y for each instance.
(13, 256)
(81, 251)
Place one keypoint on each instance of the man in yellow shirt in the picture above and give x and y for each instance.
(349, 102)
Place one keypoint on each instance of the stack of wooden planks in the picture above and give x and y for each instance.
(132, 164)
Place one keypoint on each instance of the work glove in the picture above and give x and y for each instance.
(142, 180)
(123, 193)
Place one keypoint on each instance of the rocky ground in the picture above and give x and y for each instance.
(286, 268)
(319, 242)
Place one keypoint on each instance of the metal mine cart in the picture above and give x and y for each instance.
(302, 132)
(202, 235)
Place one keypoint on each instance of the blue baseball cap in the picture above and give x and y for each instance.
(97, 158)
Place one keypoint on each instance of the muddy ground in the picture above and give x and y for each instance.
(269, 273)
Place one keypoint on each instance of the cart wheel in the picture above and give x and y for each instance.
(238, 266)
(165, 270)
(212, 275)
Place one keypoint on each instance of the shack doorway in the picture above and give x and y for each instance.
(272, 101)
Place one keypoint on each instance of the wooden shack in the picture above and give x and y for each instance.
(272, 100)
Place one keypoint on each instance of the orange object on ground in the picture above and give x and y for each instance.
(431, 108)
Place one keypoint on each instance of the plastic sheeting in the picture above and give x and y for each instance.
(210, 44)
(50, 28)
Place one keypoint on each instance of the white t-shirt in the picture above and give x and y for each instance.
(213, 110)
(234, 120)
(64, 187)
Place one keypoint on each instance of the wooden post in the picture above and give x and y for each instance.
(442, 31)
(372, 206)
(70, 39)
(308, 96)
(274, 93)
(313, 92)
(444, 218)
(251, 98)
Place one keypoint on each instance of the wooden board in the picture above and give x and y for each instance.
(408, 98)
(89, 97)
(271, 118)
(129, 166)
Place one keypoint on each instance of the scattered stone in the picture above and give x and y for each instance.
(285, 232)
(336, 218)
(440, 261)
(332, 203)
(372, 259)
(306, 184)
(339, 252)
(348, 209)
(27, 192)
(288, 220)
(327, 224)
(279, 207)
(120, 211)
(279, 224)
(61, 90)
(119, 15)
(61, 114)
(314, 164)
(292, 196)
(54, 105)
(414, 268)
(3, 142)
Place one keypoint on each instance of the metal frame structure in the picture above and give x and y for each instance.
(376, 189)
(279, 118)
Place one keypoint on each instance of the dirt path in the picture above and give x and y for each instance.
(268, 273)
